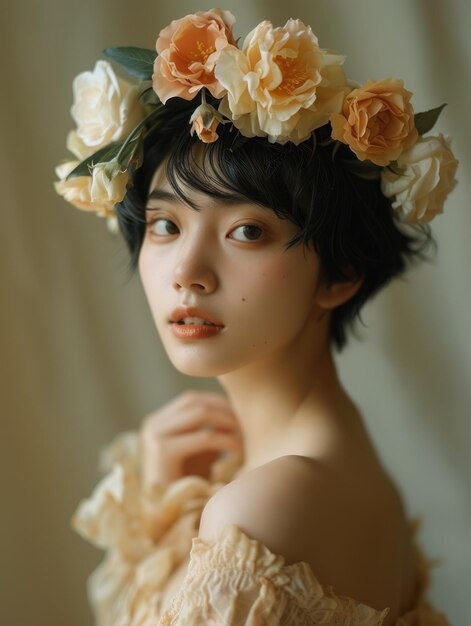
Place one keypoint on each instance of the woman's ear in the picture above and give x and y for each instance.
(332, 295)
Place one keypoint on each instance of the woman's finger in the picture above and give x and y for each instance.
(190, 418)
(201, 441)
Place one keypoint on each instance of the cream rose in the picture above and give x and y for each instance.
(187, 52)
(281, 84)
(77, 147)
(107, 189)
(427, 178)
(377, 121)
(106, 108)
(76, 190)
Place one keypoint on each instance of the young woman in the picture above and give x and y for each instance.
(264, 200)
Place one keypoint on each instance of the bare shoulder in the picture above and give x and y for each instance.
(294, 500)
(349, 535)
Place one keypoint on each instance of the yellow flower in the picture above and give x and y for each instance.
(377, 121)
(281, 84)
(187, 51)
(426, 177)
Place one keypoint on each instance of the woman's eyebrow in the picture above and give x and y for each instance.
(161, 194)
(229, 199)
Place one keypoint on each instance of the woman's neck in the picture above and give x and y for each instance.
(286, 403)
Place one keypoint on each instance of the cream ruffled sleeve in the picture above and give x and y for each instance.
(142, 551)
(235, 580)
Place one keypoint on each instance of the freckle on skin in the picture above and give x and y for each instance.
(243, 299)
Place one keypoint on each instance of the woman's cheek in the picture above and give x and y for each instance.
(271, 289)
(152, 274)
(287, 289)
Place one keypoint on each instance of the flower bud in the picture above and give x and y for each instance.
(204, 122)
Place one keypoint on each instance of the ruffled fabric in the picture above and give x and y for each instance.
(236, 580)
(143, 549)
(231, 581)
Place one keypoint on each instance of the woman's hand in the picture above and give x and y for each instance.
(186, 435)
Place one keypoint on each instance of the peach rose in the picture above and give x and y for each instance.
(377, 121)
(107, 189)
(187, 51)
(426, 178)
(106, 108)
(281, 84)
(76, 190)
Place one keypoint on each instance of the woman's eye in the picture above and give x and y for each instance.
(162, 229)
(250, 231)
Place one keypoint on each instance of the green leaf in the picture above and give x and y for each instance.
(132, 153)
(426, 120)
(148, 96)
(100, 156)
(363, 169)
(136, 61)
(152, 118)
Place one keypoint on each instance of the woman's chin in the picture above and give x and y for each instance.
(198, 368)
(193, 360)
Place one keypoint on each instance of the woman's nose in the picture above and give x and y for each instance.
(194, 269)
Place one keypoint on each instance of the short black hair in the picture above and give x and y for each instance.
(347, 219)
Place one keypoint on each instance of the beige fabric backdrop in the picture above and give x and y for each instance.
(79, 355)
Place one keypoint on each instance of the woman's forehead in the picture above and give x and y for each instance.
(197, 161)
(159, 179)
(161, 189)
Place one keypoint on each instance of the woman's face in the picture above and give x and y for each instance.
(230, 261)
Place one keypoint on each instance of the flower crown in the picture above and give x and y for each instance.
(280, 85)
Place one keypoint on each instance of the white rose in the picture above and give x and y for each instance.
(77, 147)
(106, 108)
(107, 189)
(427, 177)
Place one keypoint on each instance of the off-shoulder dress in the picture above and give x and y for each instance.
(233, 580)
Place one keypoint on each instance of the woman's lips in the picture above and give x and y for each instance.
(192, 311)
(194, 331)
